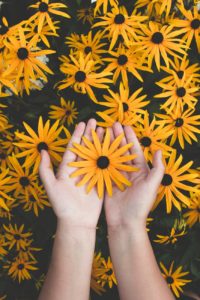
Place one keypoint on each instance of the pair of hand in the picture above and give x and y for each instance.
(128, 208)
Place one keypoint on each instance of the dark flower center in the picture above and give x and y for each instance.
(198, 210)
(119, 19)
(80, 76)
(145, 141)
(179, 122)
(122, 60)
(17, 237)
(195, 24)
(24, 181)
(181, 91)
(169, 279)
(180, 74)
(157, 38)
(125, 107)
(167, 180)
(103, 162)
(109, 272)
(2, 155)
(22, 53)
(3, 30)
(68, 112)
(36, 29)
(21, 78)
(20, 266)
(32, 199)
(87, 50)
(42, 145)
(43, 7)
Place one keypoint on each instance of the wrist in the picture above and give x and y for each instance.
(64, 228)
(131, 230)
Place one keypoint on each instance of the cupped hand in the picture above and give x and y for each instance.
(132, 206)
(71, 203)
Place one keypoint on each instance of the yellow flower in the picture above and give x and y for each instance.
(5, 81)
(44, 12)
(26, 253)
(4, 185)
(105, 4)
(20, 269)
(6, 31)
(97, 270)
(171, 237)
(65, 112)
(108, 276)
(190, 25)
(174, 278)
(183, 126)
(86, 15)
(79, 74)
(157, 6)
(47, 139)
(7, 214)
(178, 95)
(2, 245)
(193, 213)
(16, 237)
(119, 23)
(122, 106)
(174, 182)
(157, 42)
(101, 163)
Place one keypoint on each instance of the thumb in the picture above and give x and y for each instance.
(155, 175)
(45, 169)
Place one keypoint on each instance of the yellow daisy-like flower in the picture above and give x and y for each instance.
(5, 81)
(171, 237)
(105, 4)
(181, 68)
(157, 42)
(23, 58)
(26, 253)
(6, 31)
(152, 137)
(16, 237)
(119, 23)
(193, 213)
(183, 126)
(44, 12)
(47, 139)
(86, 15)
(35, 202)
(176, 181)
(190, 25)
(179, 95)
(79, 74)
(122, 106)
(7, 214)
(20, 269)
(2, 245)
(108, 276)
(157, 6)
(66, 112)
(125, 62)
(102, 163)
(4, 186)
(98, 269)
(174, 278)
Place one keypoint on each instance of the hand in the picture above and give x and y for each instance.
(71, 203)
(132, 206)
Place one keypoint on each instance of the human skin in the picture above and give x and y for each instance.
(136, 270)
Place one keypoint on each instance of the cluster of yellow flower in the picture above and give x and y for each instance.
(123, 49)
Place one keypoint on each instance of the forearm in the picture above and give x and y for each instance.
(135, 266)
(69, 273)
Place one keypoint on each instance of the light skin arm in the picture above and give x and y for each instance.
(77, 214)
(134, 263)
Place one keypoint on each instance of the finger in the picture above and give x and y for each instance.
(156, 174)
(69, 156)
(112, 137)
(100, 133)
(136, 148)
(91, 124)
(45, 170)
(117, 130)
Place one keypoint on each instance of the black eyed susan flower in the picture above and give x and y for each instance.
(20, 269)
(15, 236)
(124, 62)
(80, 74)
(47, 139)
(98, 269)
(66, 112)
(170, 238)
(27, 253)
(109, 276)
(86, 15)
(4, 186)
(181, 68)
(35, 202)
(102, 164)
(157, 7)
(178, 95)
(105, 4)
(152, 137)
(44, 12)
(2, 245)
(190, 24)
(175, 183)
(7, 214)
(119, 23)
(192, 215)
(174, 278)
(24, 58)
(122, 106)
(6, 31)
(159, 42)
(5, 81)
(183, 125)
